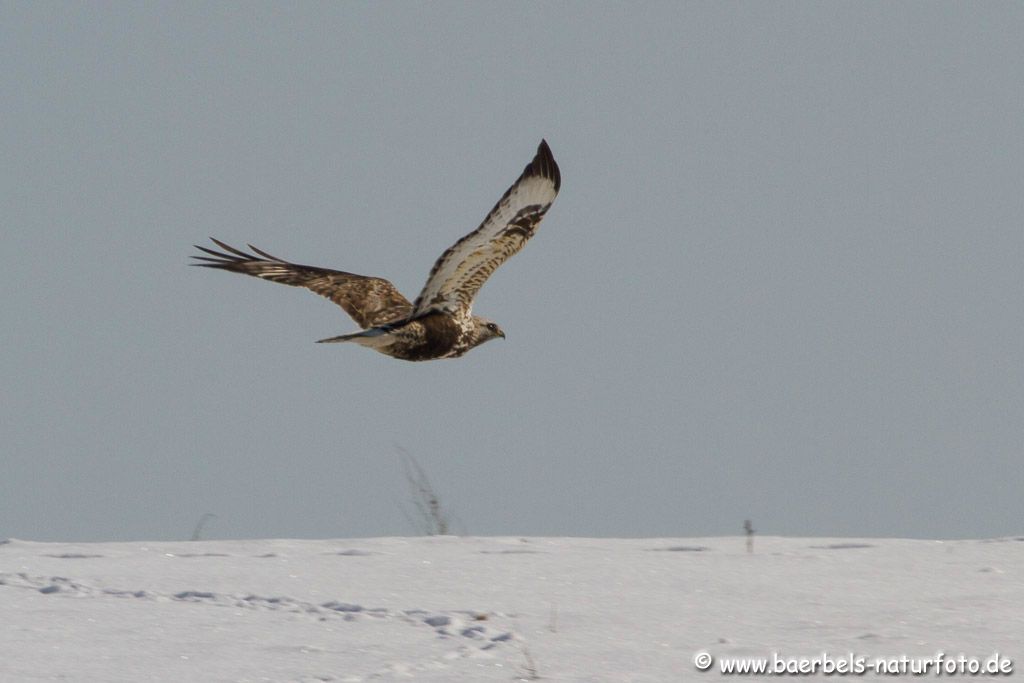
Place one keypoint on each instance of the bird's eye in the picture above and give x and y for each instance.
(492, 327)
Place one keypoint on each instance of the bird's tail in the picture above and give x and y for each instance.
(363, 337)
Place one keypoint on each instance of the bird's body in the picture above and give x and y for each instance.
(440, 324)
(429, 337)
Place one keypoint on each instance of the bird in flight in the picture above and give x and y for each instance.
(440, 323)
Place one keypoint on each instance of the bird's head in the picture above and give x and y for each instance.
(485, 330)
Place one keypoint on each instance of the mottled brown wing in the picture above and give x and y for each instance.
(371, 301)
(462, 270)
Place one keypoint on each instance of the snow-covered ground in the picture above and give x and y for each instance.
(493, 609)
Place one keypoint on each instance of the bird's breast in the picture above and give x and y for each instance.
(435, 335)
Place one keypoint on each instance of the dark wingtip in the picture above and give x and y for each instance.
(269, 257)
(231, 249)
(544, 165)
(233, 255)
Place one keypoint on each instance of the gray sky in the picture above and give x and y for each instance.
(782, 280)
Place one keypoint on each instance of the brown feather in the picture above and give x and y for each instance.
(463, 268)
(370, 301)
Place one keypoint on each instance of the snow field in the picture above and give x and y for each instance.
(493, 609)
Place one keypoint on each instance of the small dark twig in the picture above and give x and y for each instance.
(431, 518)
(197, 532)
(531, 665)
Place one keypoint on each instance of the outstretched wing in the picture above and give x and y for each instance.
(462, 270)
(370, 301)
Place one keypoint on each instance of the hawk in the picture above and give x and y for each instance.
(440, 323)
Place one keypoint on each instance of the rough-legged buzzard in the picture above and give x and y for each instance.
(440, 324)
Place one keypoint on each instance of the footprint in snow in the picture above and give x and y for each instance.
(511, 552)
(354, 552)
